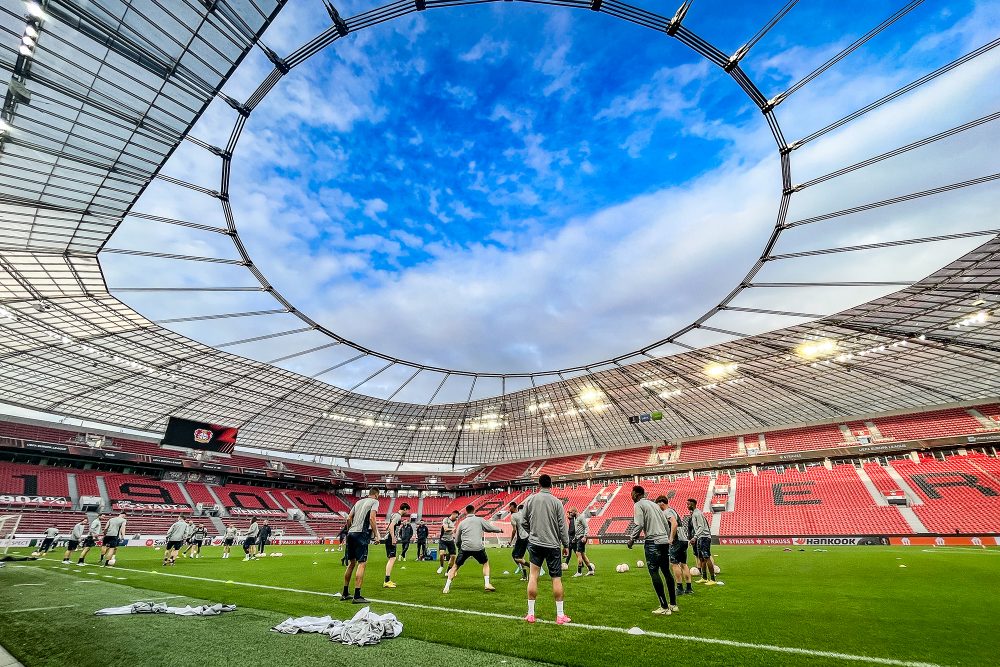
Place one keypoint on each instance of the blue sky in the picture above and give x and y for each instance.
(511, 187)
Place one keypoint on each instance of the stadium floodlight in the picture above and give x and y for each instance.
(718, 370)
(591, 395)
(976, 318)
(30, 31)
(27, 41)
(25, 51)
(35, 9)
(4, 129)
(814, 349)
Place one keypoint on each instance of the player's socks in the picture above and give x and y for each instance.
(531, 608)
(387, 579)
(447, 585)
(357, 593)
(559, 609)
(487, 578)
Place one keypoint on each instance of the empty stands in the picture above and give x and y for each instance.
(816, 502)
(958, 494)
(627, 458)
(144, 493)
(33, 482)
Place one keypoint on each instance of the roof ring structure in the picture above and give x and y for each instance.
(111, 99)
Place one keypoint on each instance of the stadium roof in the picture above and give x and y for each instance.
(103, 92)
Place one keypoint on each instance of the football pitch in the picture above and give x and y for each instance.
(842, 606)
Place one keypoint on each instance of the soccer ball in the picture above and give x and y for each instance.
(639, 563)
(35, 554)
(695, 572)
(111, 562)
(621, 568)
(325, 549)
(717, 570)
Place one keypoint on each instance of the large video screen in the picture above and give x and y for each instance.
(197, 435)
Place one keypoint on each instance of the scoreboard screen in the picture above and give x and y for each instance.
(198, 435)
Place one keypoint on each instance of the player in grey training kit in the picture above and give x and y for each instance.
(250, 541)
(700, 534)
(678, 548)
(446, 545)
(518, 538)
(470, 545)
(649, 519)
(547, 532)
(90, 541)
(227, 543)
(391, 540)
(50, 537)
(75, 537)
(363, 531)
(113, 536)
(582, 525)
(175, 540)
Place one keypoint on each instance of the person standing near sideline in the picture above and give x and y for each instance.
(422, 533)
(545, 521)
(649, 519)
(363, 520)
(263, 537)
(405, 537)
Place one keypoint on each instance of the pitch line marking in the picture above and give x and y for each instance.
(18, 611)
(13, 585)
(815, 653)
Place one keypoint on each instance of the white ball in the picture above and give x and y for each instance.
(112, 561)
(35, 554)
(325, 549)
(621, 568)
(639, 563)
(695, 572)
(717, 570)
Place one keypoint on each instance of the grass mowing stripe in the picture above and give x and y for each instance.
(704, 640)
(18, 611)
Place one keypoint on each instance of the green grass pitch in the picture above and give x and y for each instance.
(941, 609)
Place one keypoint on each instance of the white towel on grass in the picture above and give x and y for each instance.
(366, 628)
(162, 608)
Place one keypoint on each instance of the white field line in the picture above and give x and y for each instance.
(663, 635)
(971, 550)
(13, 585)
(18, 611)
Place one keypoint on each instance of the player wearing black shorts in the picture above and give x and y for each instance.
(470, 545)
(363, 522)
(700, 534)
(391, 542)
(519, 539)
(175, 540)
(446, 544)
(545, 521)
(422, 533)
(228, 541)
(250, 540)
(113, 536)
(678, 547)
(75, 537)
(649, 519)
(582, 526)
(90, 541)
(50, 538)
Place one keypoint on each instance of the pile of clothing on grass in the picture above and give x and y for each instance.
(162, 608)
(365, 629)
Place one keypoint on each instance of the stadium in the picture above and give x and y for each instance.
(680, 321)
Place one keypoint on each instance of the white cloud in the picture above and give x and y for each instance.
(486, 49)
(373, 207)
